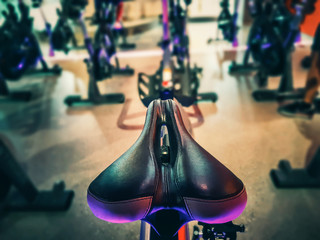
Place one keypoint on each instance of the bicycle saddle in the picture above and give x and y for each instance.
(167, 193)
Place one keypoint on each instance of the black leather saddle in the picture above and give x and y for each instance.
(188, 185)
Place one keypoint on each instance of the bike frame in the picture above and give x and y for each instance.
(108, 44)
(104, 28)
(90, 46)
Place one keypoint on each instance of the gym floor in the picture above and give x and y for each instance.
(53, 142)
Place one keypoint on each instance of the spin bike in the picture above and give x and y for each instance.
(175, 78)
(227, 23)
(269, 17)
(105, 37)
(166, 179)
(19, 51)
(63, 33)
(119, 31)
(117, 27)
(98, 63)
(26, 196)
(259, 16)
(274, 55)
(287, 177)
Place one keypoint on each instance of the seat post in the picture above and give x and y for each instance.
(164, 145)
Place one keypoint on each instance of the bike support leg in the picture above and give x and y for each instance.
(27, 197)
(12, 95)
(286, 177)
(286, 89)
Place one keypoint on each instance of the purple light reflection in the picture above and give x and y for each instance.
(20, 66)
(266, 45)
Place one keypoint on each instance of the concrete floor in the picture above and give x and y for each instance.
(54, 142)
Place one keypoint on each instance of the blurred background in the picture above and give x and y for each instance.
(59, 129)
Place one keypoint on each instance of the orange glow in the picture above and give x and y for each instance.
(167, 74)
(311, 22)
(182, 233)
(165, 83)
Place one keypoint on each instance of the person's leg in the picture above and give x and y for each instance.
(313, 80)
(305, 108)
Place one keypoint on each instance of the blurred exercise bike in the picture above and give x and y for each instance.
(99, 62)
(117, 27)
(26, 197)
(227, 23)
(274, 52)
(19, 51)
(175, 78)
(63, 34)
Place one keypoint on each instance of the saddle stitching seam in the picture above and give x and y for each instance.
(188, 208)
(216, 201)
(119, 202)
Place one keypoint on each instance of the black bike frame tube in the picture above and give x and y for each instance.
(294, 27)
(87, 39)
(148, 233)
(234, 22)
